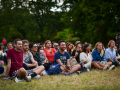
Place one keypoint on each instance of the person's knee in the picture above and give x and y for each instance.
(42, 67)
(22, 72)
(78, 66)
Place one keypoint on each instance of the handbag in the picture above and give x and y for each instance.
(73, 61)
(54, 69)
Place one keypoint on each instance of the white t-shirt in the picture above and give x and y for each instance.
(84, 57)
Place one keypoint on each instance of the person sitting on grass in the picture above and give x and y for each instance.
(98, 56)
(29, 62)
(42, 55)
(86, 59)
(49, 52)
(110, 54)
(15, 63)
(63, 58)
(36, 55)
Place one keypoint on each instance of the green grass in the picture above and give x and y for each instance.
(94, 80)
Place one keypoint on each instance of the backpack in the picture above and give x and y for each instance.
(54, 69)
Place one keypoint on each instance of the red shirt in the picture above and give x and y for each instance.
(16, 60)
(50, 55)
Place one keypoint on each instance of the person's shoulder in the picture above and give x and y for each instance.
(52, 49)
(29, 52)
(37, 53)
(57, 52)
(66, 53)
(12, 49)
(94, 51)
(82, 53)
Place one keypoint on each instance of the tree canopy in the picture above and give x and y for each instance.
(87, 21)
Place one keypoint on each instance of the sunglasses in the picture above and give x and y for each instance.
(35, 46)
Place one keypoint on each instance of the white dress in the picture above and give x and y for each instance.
(84, 57)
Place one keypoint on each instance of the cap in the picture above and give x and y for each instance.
(77, 42)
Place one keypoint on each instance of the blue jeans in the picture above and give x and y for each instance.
(1, 69)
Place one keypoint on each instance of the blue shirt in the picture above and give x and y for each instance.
(109, 54)
(62, 57)
(96, 56)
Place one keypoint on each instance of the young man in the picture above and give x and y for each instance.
(15, 63)
(110, 54)
(63, 58)
(28, 57)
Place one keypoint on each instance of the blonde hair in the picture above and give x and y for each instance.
(47, 42)
(95, 48)
(110, 42)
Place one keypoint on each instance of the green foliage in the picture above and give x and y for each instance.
(87, 21)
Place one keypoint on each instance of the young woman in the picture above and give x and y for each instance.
(42, 55)
(49, 52)
(77, 50)
(98, 56)
(86, 59)
(2, 51)
(69, 48)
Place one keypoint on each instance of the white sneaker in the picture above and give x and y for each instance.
(37, 77)
(28, 77)
(105, 68)
(112, 67)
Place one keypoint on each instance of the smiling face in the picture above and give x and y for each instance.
(62, 46)
(34, 48)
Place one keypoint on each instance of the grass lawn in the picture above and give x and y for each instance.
(94, 80)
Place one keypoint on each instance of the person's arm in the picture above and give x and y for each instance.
(8, 67)
(34, 62)
(116, 60)
(58, 61)
(94, 56)
(107, 56)
(110, 60)
(82, 58)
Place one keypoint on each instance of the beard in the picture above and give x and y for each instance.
(18, 48)
(62, 49)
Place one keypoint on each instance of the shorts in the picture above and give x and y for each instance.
(104, 62)
(14, 74)
(88, 65)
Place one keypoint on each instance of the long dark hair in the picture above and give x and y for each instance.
(85, 46)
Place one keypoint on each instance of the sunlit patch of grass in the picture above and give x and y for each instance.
(94, 80)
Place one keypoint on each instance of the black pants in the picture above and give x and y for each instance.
(47, 65)
(115, 63)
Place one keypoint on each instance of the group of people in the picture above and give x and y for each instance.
(29, 60)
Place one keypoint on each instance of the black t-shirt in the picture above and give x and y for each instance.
(37, 57)
(77, 58)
